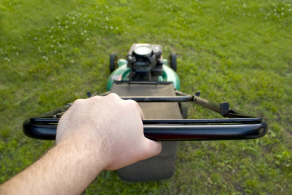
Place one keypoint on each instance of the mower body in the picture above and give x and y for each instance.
(144, 63)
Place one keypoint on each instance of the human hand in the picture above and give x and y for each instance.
(109, 128)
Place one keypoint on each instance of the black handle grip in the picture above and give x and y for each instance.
(170, 132)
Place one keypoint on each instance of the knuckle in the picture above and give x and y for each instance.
(95, 98)
(133, 103)
(113, 96)
(78, 101)
(134, 106)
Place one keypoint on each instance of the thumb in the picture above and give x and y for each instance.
(152, 148)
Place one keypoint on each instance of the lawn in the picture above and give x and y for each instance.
(53, 52)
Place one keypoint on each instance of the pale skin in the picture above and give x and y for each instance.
(95, 134)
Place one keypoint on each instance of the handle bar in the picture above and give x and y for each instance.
(170, 132)
(238, 126)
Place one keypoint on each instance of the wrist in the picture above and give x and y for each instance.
(85, 155)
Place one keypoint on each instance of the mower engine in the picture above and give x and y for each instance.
(145, 61)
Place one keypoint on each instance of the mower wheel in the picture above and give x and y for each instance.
(172, 61)
(113, 61)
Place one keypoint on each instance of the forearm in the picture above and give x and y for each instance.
(68, 168)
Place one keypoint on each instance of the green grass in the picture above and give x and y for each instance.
(237, 51)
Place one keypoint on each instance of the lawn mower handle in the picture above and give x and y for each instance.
(238, 126)
(169, 132)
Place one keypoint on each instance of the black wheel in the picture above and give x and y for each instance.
(172, 61)
(113, 62)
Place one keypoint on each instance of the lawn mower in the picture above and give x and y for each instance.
(149, 79)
